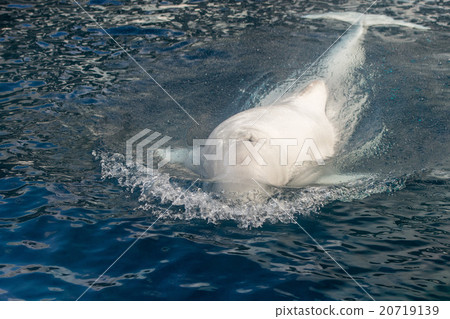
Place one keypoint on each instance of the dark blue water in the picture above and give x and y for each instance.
(69, 206)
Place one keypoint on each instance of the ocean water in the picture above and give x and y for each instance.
(72, 210)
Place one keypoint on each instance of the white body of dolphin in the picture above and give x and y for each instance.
(286, 143)
(275, 145)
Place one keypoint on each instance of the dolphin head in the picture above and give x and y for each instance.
(264, 147)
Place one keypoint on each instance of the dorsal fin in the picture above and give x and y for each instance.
(313, 97)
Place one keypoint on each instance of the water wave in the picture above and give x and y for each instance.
(188, 202)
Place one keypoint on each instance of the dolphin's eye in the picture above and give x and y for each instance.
(247, 136)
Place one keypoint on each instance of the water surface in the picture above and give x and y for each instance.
(70, 98)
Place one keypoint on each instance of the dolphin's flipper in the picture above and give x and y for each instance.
(366, 20)
(180, 156)
(336, 179)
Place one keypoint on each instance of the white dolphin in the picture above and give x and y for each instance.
(285, 143)
(275, 145)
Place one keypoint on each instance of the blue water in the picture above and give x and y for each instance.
(69, 206)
